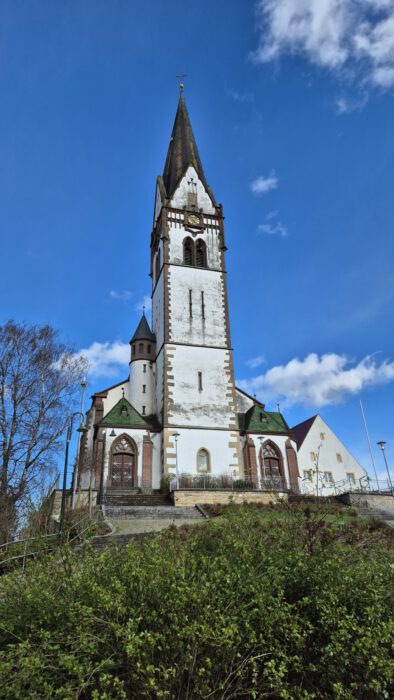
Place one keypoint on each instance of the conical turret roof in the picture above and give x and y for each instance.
(143, 332)
(182, 151)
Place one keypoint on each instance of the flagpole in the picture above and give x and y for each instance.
(369, 443)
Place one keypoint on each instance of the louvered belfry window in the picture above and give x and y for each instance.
(201, 258)
(188, 246)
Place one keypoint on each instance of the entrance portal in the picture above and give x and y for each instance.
(123, 467)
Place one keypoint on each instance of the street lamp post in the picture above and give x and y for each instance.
(261, 438)
(382, 445)
(81, 429)
(176, 436)
(75, 474)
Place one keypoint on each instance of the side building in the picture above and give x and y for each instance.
(325, 464)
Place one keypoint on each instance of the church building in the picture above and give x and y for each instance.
(178, 415)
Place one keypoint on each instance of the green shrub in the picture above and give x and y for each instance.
(235, 608)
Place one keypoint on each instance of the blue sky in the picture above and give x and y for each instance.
(292, 108)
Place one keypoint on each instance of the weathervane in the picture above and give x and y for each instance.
(181, 84)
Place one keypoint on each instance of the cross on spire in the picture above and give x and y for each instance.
(181, 76)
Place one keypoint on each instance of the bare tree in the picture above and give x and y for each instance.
(38, 379)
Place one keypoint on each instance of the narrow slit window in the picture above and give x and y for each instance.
(144, 388)
(149, 349)
(202, 305)
(144, 370)
(143, 410)
(190, 303)
(200, 381)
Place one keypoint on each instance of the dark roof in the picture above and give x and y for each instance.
(256, 420)
(182, 151)
(301, 430)
(124, 415)
(143, 331)
(104, 392)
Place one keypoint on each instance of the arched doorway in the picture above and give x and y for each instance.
(271, 465)
(124, 463)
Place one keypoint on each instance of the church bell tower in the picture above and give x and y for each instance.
(194, 389)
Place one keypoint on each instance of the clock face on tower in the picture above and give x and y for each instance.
(193, 220)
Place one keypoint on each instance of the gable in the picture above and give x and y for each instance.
(123, 414)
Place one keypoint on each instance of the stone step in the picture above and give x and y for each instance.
(150, 512)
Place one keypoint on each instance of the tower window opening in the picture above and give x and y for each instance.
(143, 411)
(157, 265)
(201, 254)
(202, 306)
(144, 388)
(188, 251)
(140, 347)
(144, 369)
(149, 348)
(200, 381)
(190, 303)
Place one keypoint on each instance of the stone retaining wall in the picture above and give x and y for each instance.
(192, 497)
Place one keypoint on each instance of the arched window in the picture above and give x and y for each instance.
(188, 252)
(157, 266)
(271, 464)
(203, 461)
(201, 254)
(123, 463)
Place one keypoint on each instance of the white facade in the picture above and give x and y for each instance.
(325, 464)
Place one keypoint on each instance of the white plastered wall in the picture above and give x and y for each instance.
(179, 199)
(210, 330)
(138, 380)
(210, 406)
(331, 445)
(222, 456)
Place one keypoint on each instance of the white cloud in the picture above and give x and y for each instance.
(264, 184)
(124, 295)
(240, 96)
(319, 381)
(273, 229)
(352, 36)
(144, 303)
(255, 361)
(106, 359)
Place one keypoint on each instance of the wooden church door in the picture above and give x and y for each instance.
(123, 464)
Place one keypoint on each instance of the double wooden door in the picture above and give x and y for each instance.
(123, 470)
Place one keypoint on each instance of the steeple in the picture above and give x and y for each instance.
(182, 151)
(143, 332)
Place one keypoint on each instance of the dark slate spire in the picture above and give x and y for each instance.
(143, 331)
(182, 151)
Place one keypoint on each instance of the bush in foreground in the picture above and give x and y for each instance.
(239, 608)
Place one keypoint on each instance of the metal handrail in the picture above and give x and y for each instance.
(49, 548)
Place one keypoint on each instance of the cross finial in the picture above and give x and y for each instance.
(143, 309)
(122, 392)
(181, 84)
(278, 407)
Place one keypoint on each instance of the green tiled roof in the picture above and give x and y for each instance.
(125, 415)
(256, 419)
